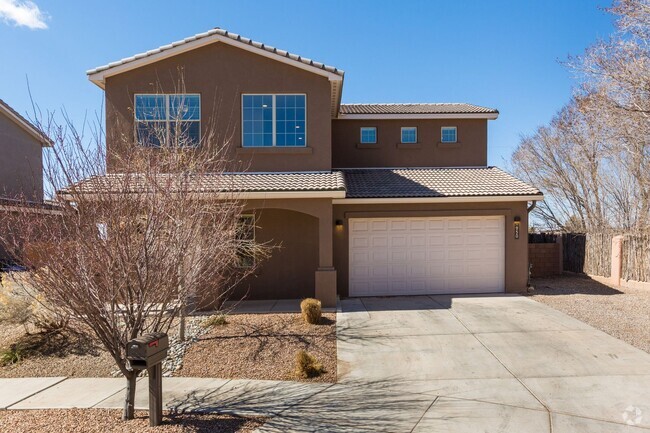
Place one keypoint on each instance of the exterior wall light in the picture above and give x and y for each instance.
(339, 224)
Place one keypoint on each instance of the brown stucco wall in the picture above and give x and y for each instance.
(516, 250)
(21, 164)
(289, 272)
(471, 149)
(221, 74)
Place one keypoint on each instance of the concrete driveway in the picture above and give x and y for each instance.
(491, 363)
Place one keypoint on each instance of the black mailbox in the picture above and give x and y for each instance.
(148, 350)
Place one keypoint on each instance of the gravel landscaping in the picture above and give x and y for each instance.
(621, 312)
(262, 346)
(106, 420)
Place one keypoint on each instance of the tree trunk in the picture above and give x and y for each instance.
(129, 398)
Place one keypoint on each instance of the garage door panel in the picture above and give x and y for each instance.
(399, 256)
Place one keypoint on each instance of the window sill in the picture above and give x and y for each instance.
(367, 145)
(276, 150)
(409, 145)
(442, 145)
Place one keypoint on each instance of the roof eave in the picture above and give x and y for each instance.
(44, 140)
(449, 199)
(488, 116)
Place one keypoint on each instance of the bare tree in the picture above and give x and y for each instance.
(593, 159)
(130, 251)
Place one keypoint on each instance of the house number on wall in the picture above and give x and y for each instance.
(516, 229)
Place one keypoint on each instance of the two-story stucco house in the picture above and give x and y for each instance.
(21, 163)
(366, 199)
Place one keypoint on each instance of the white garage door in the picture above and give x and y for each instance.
(415, 256)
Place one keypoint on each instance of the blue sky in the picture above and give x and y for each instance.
(501, 54)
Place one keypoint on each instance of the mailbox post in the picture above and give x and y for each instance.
(147, 352)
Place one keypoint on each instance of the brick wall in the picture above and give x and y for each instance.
(545, 259)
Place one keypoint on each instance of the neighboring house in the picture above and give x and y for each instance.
(21, 163)
(21, 166)
(366, 199)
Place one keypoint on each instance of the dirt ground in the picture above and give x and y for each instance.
(107, 421)
(262, 346)
(622, 313)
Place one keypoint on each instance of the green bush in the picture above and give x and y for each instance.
(311, 310)
(216, 320)
(307, 365)
(12, 355)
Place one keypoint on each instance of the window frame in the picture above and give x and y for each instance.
(274, 119)
(252, 240)
(167, 120)
(374, 128)
(402, 135)
(442, 136)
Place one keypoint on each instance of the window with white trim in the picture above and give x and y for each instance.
(368, 134)
(168, 119)
(448, 134)
(409, 134)
(246, 240)
(274, 120)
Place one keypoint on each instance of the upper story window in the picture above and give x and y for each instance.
(274, 120)
(409, 134)
(448, 134)
(170, 119)
(368, 134)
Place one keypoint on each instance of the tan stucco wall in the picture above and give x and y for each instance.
(471, 149)
(516, 250)
(221, 74)
(21, 164)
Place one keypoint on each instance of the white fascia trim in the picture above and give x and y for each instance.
(405, 200)
(26, 127)
(488, 116)
(99, 77)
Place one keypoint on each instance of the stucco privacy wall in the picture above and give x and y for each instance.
(471, 149)
(220, 73)
(516, 250)
(21, 164)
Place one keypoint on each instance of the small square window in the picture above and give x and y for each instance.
(449, 134)
(409, 134)
(369, 135)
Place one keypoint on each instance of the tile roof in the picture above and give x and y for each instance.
(224, 33)
(357, 183)
(431, 108)
(20, 119)
(433, 182)
(221, 182)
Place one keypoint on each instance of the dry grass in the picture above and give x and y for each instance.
(311, 310)
(262, 346)
(108, 420)
(307, 366)
(622, 313)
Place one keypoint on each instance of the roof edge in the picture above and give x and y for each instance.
(25, 124)
(448, 199)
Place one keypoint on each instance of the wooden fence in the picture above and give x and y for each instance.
(636, 257)
(588, 253)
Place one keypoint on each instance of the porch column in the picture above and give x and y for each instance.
(326, 274)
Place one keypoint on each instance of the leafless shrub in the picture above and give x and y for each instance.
(311, 310)
(127, 253)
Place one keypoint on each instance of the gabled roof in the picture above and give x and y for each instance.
(25, 124)
(335, 75)
(434, 183)
(416, 110)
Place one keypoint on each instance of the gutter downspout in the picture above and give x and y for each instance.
(530, 265)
